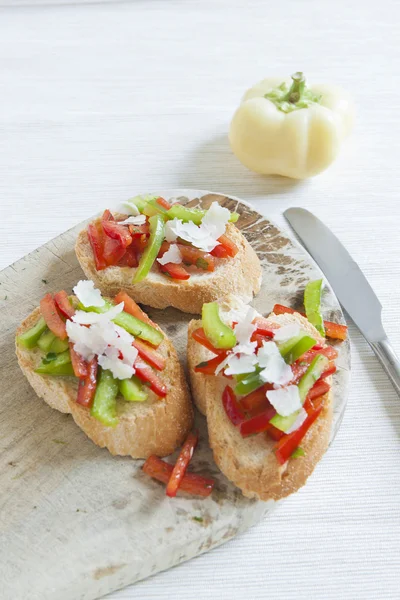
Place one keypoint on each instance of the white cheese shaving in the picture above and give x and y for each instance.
(301, 417)
(120, 368)
(204, 236)
(172, 255)
(89, 318)
(87, 294)
(234, 309)
(240, 363)
(275, 370)
(128, 207)
(136, 220)
(285, 400)
(286, 332)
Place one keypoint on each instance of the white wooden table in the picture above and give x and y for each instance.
(100, 101)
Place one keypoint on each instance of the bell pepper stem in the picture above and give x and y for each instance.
(297, 88)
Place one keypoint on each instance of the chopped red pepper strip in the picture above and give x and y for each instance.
(288, 444)
(232, 407)
(113, 251)
(133, 309)
(95, 235)
(53, 320)
(259, 423)
(208, 366)
(151, 356)
(63, 304)
(117, 232)
(256, 400)
(87, 385)
(191, 482)
(79, 364)
(220, 252)
(138, 230)
(229, 246)
(107, 216)
(319, 388)
(129, 259)
(146, 374)
(328, 351)
(332, 330)
(181, 464)
(200, 337)
(175, 271)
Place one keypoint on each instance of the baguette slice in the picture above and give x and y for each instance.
(250, 463)
(240, 276)
(156, 426)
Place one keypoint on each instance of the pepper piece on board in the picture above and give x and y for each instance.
(191, 482)
(181, 464)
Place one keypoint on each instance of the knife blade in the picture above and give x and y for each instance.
(349, 284)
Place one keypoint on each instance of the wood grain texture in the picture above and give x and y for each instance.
(106, 100)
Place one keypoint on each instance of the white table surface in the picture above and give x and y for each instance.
(99, 101)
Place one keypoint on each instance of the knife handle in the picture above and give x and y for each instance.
(389, 360)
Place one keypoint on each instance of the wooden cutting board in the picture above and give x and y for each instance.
(77, 523)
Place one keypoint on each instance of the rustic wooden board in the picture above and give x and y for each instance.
(77, 523)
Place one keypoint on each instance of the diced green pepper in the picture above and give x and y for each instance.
(60, 365)
(313, 373)
(178, 211)
(302, 346)
(284, 423)
(139, 202)
(133, 390)
(48, 342)
(252, 382)
(104, 407)
(29, 339)
(131, 324)
(218, 334)
(298, 452)
(288, 345)
(154, 208)
(234, 217)
(152, 249)
(312, 304)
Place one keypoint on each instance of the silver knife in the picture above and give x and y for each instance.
(349, 284)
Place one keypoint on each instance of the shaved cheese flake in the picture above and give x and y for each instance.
(87, 294)
(302, 416)
(136, 220)
(285, 400)
(118, 368)
(172, 255)
(239, 364)
(234, 309)
(275, 370)
(287, 332)
(204, 236)
(89, 318)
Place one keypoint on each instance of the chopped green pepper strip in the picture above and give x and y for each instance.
(29, 339)
(298, 452)
(133, 390)
(177, 211)
(131, 324)
(302, 346)
(288, 345)
(153, 246)
(252, 382)
(218, 334)
(284, 423)
(104, 407)
(312, 303)
(153, 208)
(48, 342)
(139, 202)
(60, 365)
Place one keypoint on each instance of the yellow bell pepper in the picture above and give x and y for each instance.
(291, 130)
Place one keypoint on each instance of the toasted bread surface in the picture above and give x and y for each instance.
(240, 275)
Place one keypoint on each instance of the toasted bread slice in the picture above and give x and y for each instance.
(240, 276)
(156, 426)
(250, 463)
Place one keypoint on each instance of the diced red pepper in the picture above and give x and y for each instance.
(53, 320)
(220, 252)
(129, 259)
(232, 407)
(64, 305)
(229, 246)
(79, 364)
(301, 366)
(256, 401)
(151, 356)
(113, 251)
(275, 433)
(107, 216)
(163, 249)
(264, 327)
(132, 308)
(319, 388)
(139, 230)
(328, 351)
(117, 232)
(288, 444)
(181, 464)
(194, 256)
(208, 366)
(200, 337)
(175, 271)
(146, 374)
(332, 330)
(96, 235)
(163, 203)
(259, 423)
(191, 483)
(87, 385)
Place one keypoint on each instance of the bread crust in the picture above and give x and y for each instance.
(240, 276)
(250, 463)
(157, 426)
